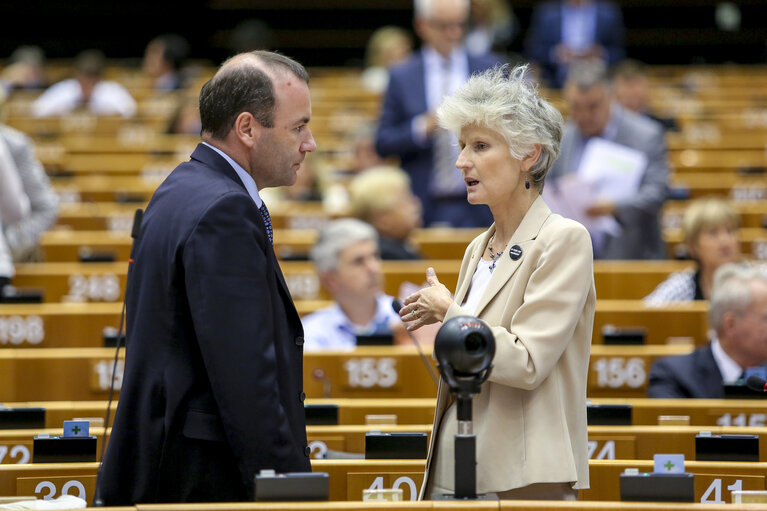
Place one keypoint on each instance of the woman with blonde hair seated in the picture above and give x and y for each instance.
(381, 196)
(710, 229)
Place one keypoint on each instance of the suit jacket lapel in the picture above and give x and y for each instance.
(506, 267)
(476, 254)
(211, 158)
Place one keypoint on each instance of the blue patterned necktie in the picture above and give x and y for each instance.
(267, 221)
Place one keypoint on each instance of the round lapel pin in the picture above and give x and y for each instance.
(515, 252)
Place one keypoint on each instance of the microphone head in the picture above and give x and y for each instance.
(136, 229)
(396, 305)
(756, 383)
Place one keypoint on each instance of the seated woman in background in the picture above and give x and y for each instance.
(387, 46)
(711, 234)
(382, 197)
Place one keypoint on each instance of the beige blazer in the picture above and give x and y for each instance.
(530, 417)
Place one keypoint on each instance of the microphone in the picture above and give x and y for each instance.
(135, 232)
(756, 383)
(396, 305)
(136, 229)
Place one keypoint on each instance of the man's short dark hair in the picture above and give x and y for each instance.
(174, 49)
(243, 88)
(90, 63)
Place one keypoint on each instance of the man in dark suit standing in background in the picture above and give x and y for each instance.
(408, 128)
(738, 315)
(212, 391)
(565, 31)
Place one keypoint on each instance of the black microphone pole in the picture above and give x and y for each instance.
(135, 231)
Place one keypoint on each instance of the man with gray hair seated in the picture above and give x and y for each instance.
(738, 316)
(349, 265)
(636, 232)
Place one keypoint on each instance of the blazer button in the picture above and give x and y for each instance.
(299, 341)
(302, 396)
(307, 451)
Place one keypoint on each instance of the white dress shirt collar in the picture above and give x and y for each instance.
(247, 179)
(434, 68)
(728, 368)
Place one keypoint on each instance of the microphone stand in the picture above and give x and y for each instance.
(464, 388)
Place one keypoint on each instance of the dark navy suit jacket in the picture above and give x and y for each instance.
(405, 99)
(695, 375)
(545, 34)
(212, 391)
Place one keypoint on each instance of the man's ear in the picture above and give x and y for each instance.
(247, 129)
(729, 322)
(328, 281)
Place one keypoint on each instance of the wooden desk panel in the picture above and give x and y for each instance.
(369, 373)
(50, 325)
(74, 282)
(104, 282)
(643, 442)
(81, 472)
(605, 477)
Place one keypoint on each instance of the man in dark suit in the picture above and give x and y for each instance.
(408, 128)
(595, 116)
(212, 391)
(564, 31)
(738, 314)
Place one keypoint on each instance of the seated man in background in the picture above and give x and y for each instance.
(381, 196)
(349, 267)
(27, 185)
(85, 91)
(710, 228)
(622, 218)
(25, 70)
(163, 59)
(738, 316)
(632, 91)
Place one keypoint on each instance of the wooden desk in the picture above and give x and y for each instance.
(18, 443)
(74, 282)
(643, 442)
(104, 282)
(370, 373)
(64, 246)
(57, 475)
(349, 477)
(503, 505)
(605, 477)
(53, 325)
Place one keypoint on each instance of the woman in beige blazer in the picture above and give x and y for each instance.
(530, 277)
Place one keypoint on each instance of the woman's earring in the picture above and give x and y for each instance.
(527, 184)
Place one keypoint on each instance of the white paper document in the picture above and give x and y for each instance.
(612, 169)
(607, 171)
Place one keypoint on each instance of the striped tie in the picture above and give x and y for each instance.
(446, 180)
(267, 221)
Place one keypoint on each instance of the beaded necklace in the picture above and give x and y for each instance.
(494, 256)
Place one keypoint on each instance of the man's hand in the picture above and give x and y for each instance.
(601, 208)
